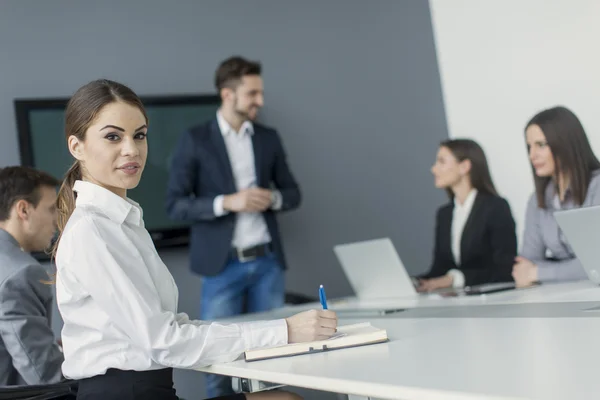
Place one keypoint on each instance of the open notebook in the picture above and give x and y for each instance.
(346, 336)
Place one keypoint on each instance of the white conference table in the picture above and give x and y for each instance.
(451, 358)
(583, 291)
(465, 358)
(548, 293)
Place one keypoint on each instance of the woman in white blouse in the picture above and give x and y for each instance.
(122, 334)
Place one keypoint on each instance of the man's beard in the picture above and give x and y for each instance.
(245, 115)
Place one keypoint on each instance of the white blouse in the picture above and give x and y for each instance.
(118, 300)
(460, 215)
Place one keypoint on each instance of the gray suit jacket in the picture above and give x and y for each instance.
(29, 353)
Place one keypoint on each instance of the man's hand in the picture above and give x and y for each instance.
(525, 273)
(311, 325)
(429, 285)
(248, 200)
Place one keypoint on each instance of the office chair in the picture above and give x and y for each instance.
(66, 390)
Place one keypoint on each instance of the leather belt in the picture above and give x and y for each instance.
(250, 253)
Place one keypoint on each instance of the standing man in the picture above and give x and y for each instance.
(29, 353)
(228, 178)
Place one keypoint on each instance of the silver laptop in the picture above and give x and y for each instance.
(374, 269)
(581, 227)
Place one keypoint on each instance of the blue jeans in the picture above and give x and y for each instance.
(251, 286)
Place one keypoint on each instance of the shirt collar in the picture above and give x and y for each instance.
(468, 201)
(226, 129)
(114, 206)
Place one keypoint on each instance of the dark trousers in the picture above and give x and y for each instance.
(133, 385)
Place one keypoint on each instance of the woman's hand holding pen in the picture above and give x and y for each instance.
(311, 325)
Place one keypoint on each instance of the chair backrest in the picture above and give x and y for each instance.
(66, 390)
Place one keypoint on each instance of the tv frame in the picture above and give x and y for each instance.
(162, 238)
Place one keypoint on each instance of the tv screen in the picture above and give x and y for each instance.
(40, 125)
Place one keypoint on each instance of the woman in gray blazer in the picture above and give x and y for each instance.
(566, 175)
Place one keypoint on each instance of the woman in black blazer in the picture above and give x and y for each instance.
(475, 240)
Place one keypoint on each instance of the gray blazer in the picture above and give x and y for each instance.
(544, 243)
(29, 353)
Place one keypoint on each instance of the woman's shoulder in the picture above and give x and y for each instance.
(86, 223)
(444, 208)
(595, 179)
(495, 208)
(493, 200)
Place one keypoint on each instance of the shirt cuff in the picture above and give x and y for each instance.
(458, 278)
(218, 206)
(277, 200)
(265, 334)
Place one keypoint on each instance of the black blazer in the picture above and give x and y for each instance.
(201, 170)
(488, 244)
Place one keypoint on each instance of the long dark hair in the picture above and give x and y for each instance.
(467, 149)
(81, 112)
(570, 147)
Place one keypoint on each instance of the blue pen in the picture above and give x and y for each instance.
(322, 297)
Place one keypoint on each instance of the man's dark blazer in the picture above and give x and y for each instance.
(488, 245)
(201, 170)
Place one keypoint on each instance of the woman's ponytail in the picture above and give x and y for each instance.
(65, 202)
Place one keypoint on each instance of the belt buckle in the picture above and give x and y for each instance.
(242, 258)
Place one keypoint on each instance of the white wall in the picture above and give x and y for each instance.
(501, 61)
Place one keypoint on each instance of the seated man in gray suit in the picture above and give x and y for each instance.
(29, 353)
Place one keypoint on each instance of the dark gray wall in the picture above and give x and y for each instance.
(352, 86)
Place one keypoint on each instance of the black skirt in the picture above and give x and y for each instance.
(116, 384)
